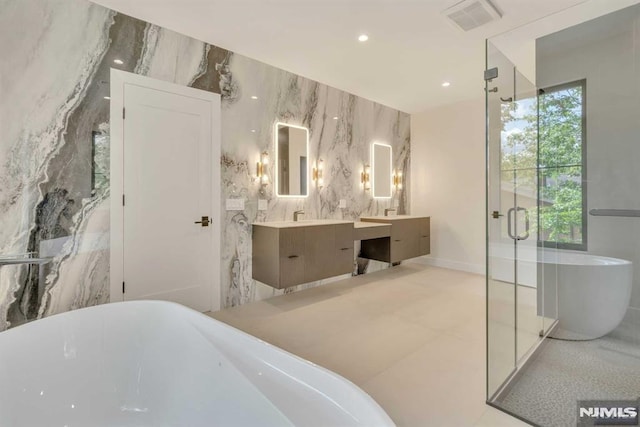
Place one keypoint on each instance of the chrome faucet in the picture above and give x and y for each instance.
(296, 213)
(386, 211)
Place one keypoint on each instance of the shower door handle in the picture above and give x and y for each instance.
(510, 223)
(511, 218)
(527, 223)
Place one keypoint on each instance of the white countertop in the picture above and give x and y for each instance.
(301, 223)
(360, 224)
(391, 217)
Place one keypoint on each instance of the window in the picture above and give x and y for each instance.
(543, 158)
(562, 159)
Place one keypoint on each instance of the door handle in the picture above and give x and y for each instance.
(205, 221)
(510, 223)
(496, 214)
(527, 223)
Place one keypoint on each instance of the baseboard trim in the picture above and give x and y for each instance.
(450, 264)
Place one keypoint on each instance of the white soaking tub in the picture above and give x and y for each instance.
(153, 363)
(588, 294)
(593, 292)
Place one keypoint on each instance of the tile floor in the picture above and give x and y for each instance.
(413, 337)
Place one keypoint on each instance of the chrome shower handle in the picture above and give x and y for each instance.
(527, 223)
(510, 223)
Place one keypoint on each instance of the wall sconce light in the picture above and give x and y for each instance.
(318, 172)
(397, 180)
(365, 177)
(261, 169)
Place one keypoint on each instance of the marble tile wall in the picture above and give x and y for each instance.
(54, 135)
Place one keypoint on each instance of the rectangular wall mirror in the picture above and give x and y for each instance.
(381, 163)
(292, 152)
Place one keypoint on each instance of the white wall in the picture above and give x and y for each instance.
(448, 182)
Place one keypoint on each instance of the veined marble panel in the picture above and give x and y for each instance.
(343, 144)
(54, 119)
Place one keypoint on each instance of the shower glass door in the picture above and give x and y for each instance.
(514, 279)
(519, 144)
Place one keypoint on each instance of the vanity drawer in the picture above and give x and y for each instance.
(343, 250)
(292, 259)
(404, 240)
(343, 236)
(404, 230)
(425, 236)
(425, 227)
(343, 262)
(319, 250)
(404, 248)
(293, 267)
(291, 243)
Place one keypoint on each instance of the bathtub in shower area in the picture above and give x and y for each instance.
(588, 294)
(157, 363)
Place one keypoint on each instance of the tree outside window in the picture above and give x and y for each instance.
(544, 142)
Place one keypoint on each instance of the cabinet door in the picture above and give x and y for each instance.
(425, 227)
(318, 251)
(292, 256)
(425, 236)
(405, 243)
(343, 250)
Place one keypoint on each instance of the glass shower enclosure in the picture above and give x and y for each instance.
(563, 214)
(516, 318)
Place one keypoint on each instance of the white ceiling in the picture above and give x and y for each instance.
(412, 48)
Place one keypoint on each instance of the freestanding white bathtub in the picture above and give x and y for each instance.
(588, 294)
(593, 292)
(153, 363)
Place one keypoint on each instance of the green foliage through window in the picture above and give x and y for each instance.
(543, 146)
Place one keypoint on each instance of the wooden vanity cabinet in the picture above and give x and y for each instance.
(289, 256)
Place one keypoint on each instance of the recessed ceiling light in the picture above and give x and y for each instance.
(335, 118)
(253, 130)
(118, 61)
(107, 97)
(446, 84)
(363, 37)
(254, 97)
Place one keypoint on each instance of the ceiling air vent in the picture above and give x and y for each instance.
(470, 14)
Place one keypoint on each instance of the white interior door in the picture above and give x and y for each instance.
(168, 170)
